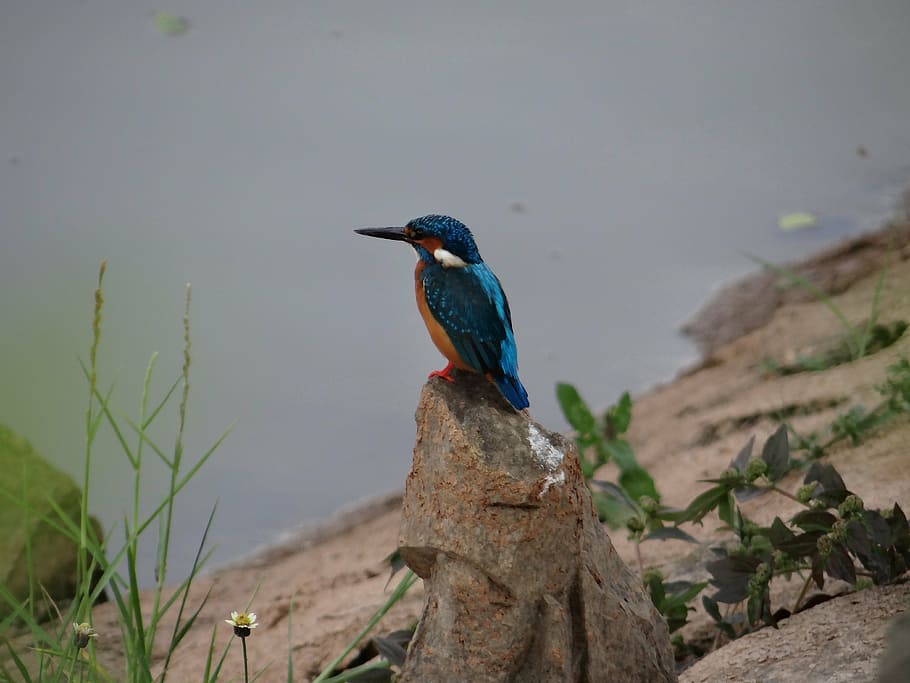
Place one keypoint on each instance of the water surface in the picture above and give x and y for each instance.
(615, 160)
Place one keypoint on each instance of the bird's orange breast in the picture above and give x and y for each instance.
(437, 333)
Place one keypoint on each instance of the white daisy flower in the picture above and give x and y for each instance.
(243, 623)
(82, 633)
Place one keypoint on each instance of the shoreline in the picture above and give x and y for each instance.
(334, 572)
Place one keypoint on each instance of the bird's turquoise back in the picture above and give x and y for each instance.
(471, 306)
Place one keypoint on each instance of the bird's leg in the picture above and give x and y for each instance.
(444, 373)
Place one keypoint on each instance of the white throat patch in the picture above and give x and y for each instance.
(447, 259)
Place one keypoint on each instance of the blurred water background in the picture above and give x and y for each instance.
(615, 160)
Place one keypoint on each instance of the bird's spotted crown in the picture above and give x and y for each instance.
(455, 236)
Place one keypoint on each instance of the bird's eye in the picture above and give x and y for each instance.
(417, 233)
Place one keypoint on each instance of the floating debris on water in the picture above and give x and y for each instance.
(171, 24)
(798, 220)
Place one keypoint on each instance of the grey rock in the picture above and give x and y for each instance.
(839, 641)
(522, 582)
(31, 483)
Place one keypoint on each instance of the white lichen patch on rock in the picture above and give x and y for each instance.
(552, 480)
(547, 455)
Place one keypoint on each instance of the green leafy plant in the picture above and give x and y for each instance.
(672, 599)
(834, 535)
(633, 501)
(600, 440)
(64, 647)
(857, 340)
(857, 421)
(881, 336)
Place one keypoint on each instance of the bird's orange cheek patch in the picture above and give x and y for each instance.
(431, 244)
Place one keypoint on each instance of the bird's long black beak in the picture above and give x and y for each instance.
(385, 233)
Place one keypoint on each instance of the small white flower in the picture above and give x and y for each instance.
(242, 622)
(83, 633)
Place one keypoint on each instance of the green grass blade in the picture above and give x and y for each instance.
(179, 632)
(105, 410)
(406, 582)
(188, 624)
(209, 675)
(151, 418)
(793, 278)
(136, 607)
(182, 586)
(873, 314)
(19, 664)
(21, 612)
(147, 440)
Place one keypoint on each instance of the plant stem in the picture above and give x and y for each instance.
(802, 593)
(165, 539)
(83, 578)
(786, 494)
(72, 668)
(246, 668)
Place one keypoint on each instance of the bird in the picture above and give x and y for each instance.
(461, 302)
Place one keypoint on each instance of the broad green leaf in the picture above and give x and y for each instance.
(616, 491)
(731, 576)
(621, 453)
(802, 545)
(779, 533)
(619, 415)
(833, 490)
(840, 565)
(638, 483)
(685, 595)
(574, 408)
(611, 511)
(670, 533)
(656, 589)
(777, 454)
(739, 462)
(702, 504)
(814, 520)
(711, 608)
(726, 509)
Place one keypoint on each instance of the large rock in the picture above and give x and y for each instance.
(53, 554)
(522, 582)
(840, 641)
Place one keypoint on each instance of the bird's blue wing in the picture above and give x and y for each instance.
(472, 308)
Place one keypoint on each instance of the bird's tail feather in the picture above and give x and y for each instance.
(513, 390)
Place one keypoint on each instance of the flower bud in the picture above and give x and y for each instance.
(755, 469)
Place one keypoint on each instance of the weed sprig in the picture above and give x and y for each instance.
(65, 648)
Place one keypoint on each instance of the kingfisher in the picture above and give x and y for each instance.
(461, 302)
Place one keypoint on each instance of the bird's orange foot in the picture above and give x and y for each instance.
(444, 373)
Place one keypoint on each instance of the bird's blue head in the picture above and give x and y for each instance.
(437, 239)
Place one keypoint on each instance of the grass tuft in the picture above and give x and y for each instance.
(59, 652)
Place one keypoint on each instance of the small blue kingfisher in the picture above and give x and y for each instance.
(461, 302)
